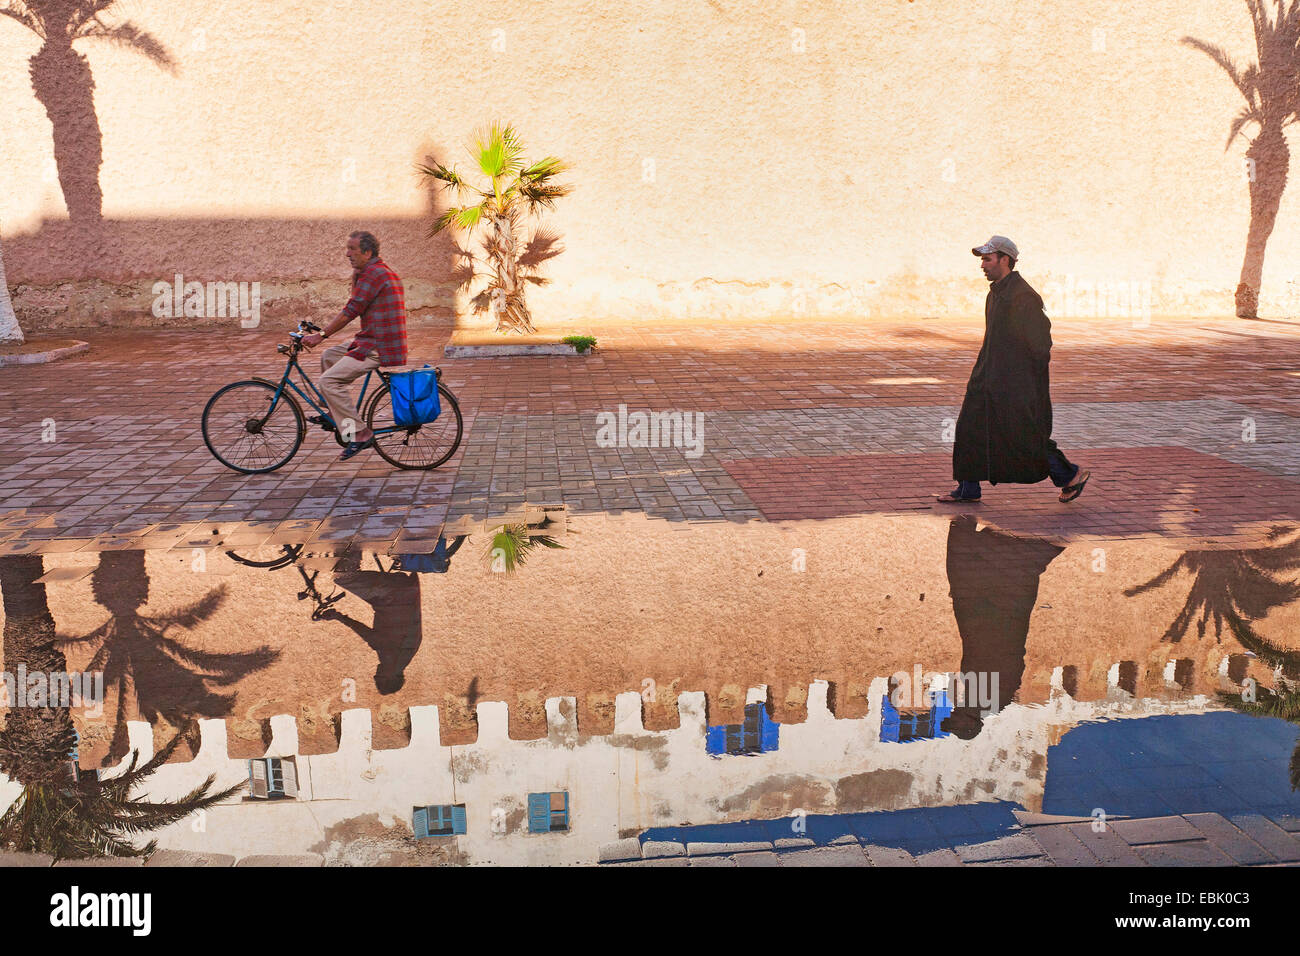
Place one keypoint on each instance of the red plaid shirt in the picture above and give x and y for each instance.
(377, 297)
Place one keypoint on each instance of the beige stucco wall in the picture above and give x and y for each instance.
(831, 157)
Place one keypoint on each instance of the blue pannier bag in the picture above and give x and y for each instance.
(415, 396)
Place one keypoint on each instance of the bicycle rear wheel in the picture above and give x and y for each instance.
(417, 447)
(246, 433)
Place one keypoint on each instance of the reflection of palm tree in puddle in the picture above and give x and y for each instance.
(137, 653)
(1236, 588)
(993, 580)
(56, 813)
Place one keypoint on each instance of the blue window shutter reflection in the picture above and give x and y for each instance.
(420, 821)
(457, 819)
(539, 813)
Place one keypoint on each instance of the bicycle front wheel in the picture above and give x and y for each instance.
(247, 430)
(415, 447)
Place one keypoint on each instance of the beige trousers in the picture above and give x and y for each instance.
(338, 372)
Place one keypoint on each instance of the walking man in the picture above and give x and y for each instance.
(1005, 427)
(378, 297)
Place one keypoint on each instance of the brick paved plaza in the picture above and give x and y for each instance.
(826, 437)
(1189, 426)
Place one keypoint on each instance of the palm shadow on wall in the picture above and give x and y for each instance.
(1236, 588)
(145, 661)
(63, 84)
(1271, 89)
(993, 579)
(60, 812)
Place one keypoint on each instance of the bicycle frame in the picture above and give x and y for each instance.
(319, 403)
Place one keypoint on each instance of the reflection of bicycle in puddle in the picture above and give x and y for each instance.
(289, 554)
(273, 558)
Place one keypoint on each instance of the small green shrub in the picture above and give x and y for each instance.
(580, 342)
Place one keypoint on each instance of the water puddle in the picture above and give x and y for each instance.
(533, 689)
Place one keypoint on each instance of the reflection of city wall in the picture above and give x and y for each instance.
(690, 612)
(1111, 153)
(618, 784)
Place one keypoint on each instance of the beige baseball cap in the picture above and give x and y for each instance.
(998, 244)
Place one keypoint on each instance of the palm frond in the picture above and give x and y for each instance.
(19, 12)
(544, 169)
(130, 37)
(1220, 56)
(542, 195)
(458, 217)
(446, 176)
(1247, 115)
(545, 244)
(498, 151)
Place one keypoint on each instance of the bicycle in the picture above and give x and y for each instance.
(258, 417)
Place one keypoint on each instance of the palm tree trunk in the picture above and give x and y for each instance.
(1271, 161)
(36, 741)
(11, 333)
(62, 81)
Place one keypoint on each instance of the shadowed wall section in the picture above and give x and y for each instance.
(730, 158)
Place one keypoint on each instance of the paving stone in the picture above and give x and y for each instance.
(654, 849)
(888, 856)
(1007, 848)
(1282, 845)
(1155, 830)
(826, 856)
(938, 858)
(760, 858)
(1185, 853)
(1228, 839)
(723, 849)
(110, 862)
(1062, 846)
(1288, 822)
(659, 861)
(1023, 861)
(793, 843)
(26, 859)
(287, 860)
(1107, 845)
(189, 858)
(620, 850)
(711, 861)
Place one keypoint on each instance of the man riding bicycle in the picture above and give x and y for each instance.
(378, 297)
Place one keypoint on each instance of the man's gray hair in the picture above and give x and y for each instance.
(367, 242)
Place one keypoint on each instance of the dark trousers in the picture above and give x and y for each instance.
(1059, 469)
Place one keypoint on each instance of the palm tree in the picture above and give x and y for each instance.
(516, 189)
(511, 545)
(93, 817)
(63, 84)
(11, 332)
(59, 813)
(1271, 89)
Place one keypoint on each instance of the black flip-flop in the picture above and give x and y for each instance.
(1074, 489)
(353, 447)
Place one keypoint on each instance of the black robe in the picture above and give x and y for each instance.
(1005, 425)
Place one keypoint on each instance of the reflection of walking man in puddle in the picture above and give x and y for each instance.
(993, 579)
(396, 632)
(1005, 427)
